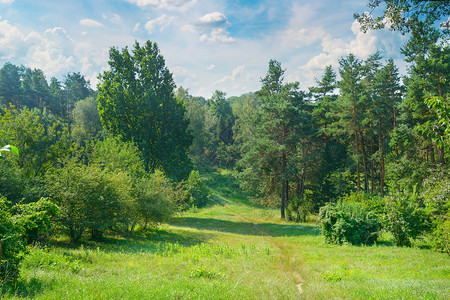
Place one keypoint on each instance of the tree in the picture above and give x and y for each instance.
(387, 99)
(222, 111)
(87, 124)
(269, 154)
(202, 126)
(41, 138)
(10, 76)
(137, 102)
(426, 20)
(35, 89)
(76, 88)
(350, 89)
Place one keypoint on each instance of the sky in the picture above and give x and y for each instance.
(208, 45)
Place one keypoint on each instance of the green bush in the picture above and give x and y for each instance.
(36, 218)
(436, 199)
(13, 247)
(348, 222)
(404, 217)
(89, 198)
(197, 192)
(156, 198)
(299, 207)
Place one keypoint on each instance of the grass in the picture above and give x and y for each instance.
(230, 250)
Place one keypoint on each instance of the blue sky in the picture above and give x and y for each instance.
(207, 44)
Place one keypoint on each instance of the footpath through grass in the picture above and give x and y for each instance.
(231, 250)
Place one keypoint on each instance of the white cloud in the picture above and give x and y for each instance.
(113, 18)
(303, 36)
(165, 4)
(162, 22)
(54, 53)
(11, 39)
(236, 71)
(90, 23)
(6, 1)
(217, 35)
(211, 67)
(214, 19)
(362, 45)
(136, 27)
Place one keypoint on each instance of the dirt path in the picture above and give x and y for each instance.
(284, 255)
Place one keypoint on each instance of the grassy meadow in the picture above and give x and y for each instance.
(229, 250)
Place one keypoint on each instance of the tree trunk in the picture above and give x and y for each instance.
(283, 184)
(433, 161)
(441, 156)
(396, 147)
(366, 175)
(358, 179)
(372, 167)
(380, 148)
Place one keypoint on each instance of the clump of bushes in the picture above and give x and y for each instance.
(20, 224)
(36, 218)
(13, 247)
(299, 207)
(404, 217)
(348, 222)
(197, 192)
(436, 199)
(358, 218)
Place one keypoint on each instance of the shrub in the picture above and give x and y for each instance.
(156, 198)
(436, 199)
(299, 207)
(36, 218)
(197, 192)
(88, 197)
(404, 217)
(348, 222)
(12, 247)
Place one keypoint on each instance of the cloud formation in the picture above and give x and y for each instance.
(90, 23)
(214, 19)
(212, 27)
(162, 22)
(165, 4)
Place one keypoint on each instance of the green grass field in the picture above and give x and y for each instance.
(230, 250)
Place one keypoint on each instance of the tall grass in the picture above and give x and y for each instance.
(230, 250)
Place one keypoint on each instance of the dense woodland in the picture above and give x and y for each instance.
(365, 145)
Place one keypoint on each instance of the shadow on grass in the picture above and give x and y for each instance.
(245, 228)
(140, 241)
(26, 289)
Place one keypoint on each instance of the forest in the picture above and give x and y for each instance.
(363, 153)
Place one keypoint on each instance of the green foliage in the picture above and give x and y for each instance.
(157, 198)
(439, 131)
(426, 21)
(12, 247)
(436, 196)
(137, 103)
(197, 192)
(87, 124)
(39, 136)
(404, 217)
(348, 222)
(88, 197)
(36, 218)
(299, 207)
(115, 155)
